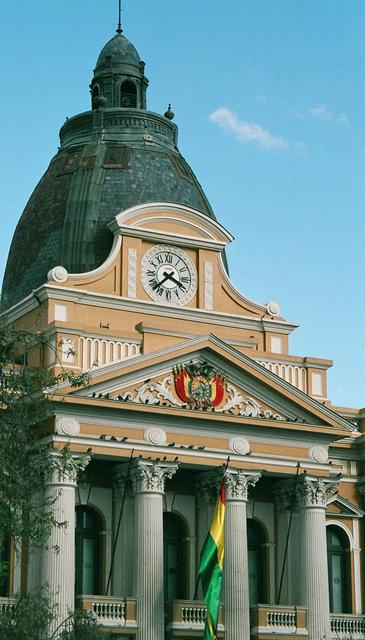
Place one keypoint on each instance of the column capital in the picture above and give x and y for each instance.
(120, 476)
(207, 486)
(315, 492)
(237, 483)
(149, 476)
(285, 494)
(63, 467)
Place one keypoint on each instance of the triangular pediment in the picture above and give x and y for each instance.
(246, 389)
(340, 507)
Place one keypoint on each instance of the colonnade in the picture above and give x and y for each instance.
(148, 479)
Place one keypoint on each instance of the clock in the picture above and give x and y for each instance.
(168, 275)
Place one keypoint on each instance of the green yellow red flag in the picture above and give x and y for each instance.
(211, 567)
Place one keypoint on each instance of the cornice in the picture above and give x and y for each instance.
(107, 301)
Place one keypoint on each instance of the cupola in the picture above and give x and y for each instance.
(119, 79)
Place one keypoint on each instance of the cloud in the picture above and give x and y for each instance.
(321, 113)
(246, 131)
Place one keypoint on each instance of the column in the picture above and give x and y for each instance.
(57, 569)
(237, 608)
(312, 496)
(287, 543)
(122, 574)
(148, 480)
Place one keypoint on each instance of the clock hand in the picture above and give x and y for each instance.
(171, 277)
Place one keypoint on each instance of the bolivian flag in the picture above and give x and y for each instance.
(211, 566)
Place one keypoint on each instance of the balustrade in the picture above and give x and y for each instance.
(344, 626)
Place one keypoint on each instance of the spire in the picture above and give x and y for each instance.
(119, 27)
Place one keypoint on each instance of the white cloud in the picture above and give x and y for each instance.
(322, 113)
(246, 131)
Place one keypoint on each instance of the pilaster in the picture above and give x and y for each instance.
(122, 577)
(287, 517)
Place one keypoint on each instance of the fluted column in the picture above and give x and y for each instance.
(122, 576)
(236, 610)
(148, 479)
(287, 543)
(312, 496)
(58, 556)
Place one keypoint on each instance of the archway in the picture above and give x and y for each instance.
(338, 569)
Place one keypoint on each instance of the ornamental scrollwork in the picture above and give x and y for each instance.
(237, 484)
(151, 477)
(315, 492)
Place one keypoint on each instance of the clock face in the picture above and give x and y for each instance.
(168, 275)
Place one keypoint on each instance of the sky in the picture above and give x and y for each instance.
(269, 99)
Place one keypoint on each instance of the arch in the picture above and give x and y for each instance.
(128, 94)
(175, 534)
(257, 561)
(88, 550)
(338, 558)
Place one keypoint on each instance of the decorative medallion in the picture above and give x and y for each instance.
(199, 385)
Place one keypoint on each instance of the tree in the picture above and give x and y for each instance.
(26, 402)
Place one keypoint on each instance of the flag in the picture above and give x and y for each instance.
(211, 567)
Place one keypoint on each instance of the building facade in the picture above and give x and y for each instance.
(125, 266)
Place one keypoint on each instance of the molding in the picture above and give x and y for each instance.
(121, 219)
(286, 388)
(108, 301)
(355, 512)
(132, 272)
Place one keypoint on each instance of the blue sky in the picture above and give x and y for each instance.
(269, 98)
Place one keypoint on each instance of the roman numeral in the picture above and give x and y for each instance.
(168, 258)
(182, 269)
(185, 279)
(150, 273)
(168, 295)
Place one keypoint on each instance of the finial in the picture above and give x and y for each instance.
(169, 114)
(119, 27)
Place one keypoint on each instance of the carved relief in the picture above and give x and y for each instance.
(67, 426)
(149, 476)
(132, 273)
(237, 484)
(314, 492)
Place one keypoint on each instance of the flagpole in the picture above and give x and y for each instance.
(119, 522)
(225, 466)
(288, 535)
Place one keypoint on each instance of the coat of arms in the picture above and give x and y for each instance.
(199, 385)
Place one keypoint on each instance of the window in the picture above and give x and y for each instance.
(174, 538)
(88, 551)
(338, 569)
(128, 94)
(256, 562)
(95, 96)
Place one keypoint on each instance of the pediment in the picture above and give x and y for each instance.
(234, 385)
(340, 507)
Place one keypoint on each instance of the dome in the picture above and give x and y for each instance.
(118, 51)
(113, 157)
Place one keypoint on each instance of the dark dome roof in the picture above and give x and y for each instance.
(110, 159)
(118, 50)
(88, 182)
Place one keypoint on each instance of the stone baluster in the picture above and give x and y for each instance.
(148, 480)
(312, 496)
(237, 611)
(122, 575)
(57, 570)
(287, 524)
